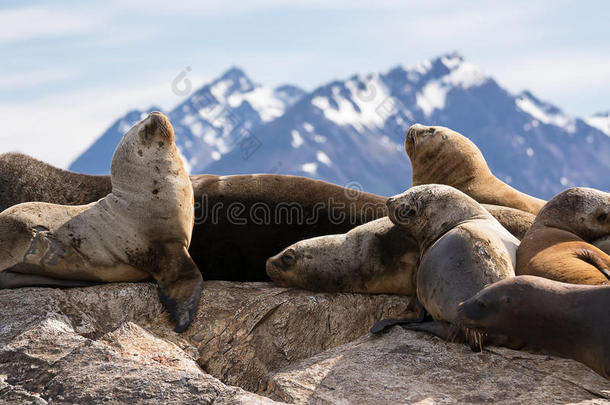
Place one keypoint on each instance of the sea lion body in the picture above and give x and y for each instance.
(240, 220)
(559, 245)
(141, 230)
(442, 156)
(377, 257)
(568, 319)
(463, 248)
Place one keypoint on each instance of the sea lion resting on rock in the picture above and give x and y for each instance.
(558, 245)
(463, 249)
(240, 220)
(569, 319)
(377, 257)
(442, 156)
(141, 230)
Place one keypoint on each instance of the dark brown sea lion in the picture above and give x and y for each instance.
(572, 320)
(141, 230)
(442, 156)
(558, 246)
(240, 220)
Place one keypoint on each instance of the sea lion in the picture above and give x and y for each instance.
(25, 179)
(558, 244)
(233, 234)
(463, 249)
(442, 156)
(377, 257)
(568, 319)
(141, 230)
(515, 221)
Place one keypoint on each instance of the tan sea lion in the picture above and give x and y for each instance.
(141, 230)
(240, 220)
(442, 156)
(568, 319)
(559, 245)
(377, 257)
(463, 249)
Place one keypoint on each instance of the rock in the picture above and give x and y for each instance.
(412, 367)
(242, 331)
(55, 347)
(113, 344)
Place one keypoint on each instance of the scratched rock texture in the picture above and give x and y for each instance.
(253, 343)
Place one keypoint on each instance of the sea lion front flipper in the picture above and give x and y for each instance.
(180, 284)
(413, 306)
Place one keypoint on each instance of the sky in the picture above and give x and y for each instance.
(68, 69)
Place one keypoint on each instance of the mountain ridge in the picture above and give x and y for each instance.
(351, 131)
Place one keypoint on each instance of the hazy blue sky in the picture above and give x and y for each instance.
(68, 69)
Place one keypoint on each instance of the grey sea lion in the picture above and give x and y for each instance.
(463, 249)
(377, 257)
(140, 230)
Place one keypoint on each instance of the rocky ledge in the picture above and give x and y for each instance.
(255, 343)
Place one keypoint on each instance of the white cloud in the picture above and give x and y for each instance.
(58, 128)
(43, 22)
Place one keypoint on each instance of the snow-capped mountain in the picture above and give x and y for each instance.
(208, 124)
(600, 121)
(97, 158)
(351, 131)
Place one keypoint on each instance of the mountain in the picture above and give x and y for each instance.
(351, 132)
(600, 121)
(97, 158)
(208, 124)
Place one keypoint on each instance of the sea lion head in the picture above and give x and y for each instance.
(308, 264)
(147, 173)
(579, 210)
(440, 155)
(505, 305)
(430, 210)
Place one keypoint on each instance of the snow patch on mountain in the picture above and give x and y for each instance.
(544, 112)
(460, 74)
(354, 102)
(600, 121)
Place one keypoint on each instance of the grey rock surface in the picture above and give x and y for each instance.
(415, 368)
(113, 344)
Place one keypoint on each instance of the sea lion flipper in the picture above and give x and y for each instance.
(180, 283)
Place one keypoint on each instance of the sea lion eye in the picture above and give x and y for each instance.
(405, 213)
(288, 259)
(431, 130)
